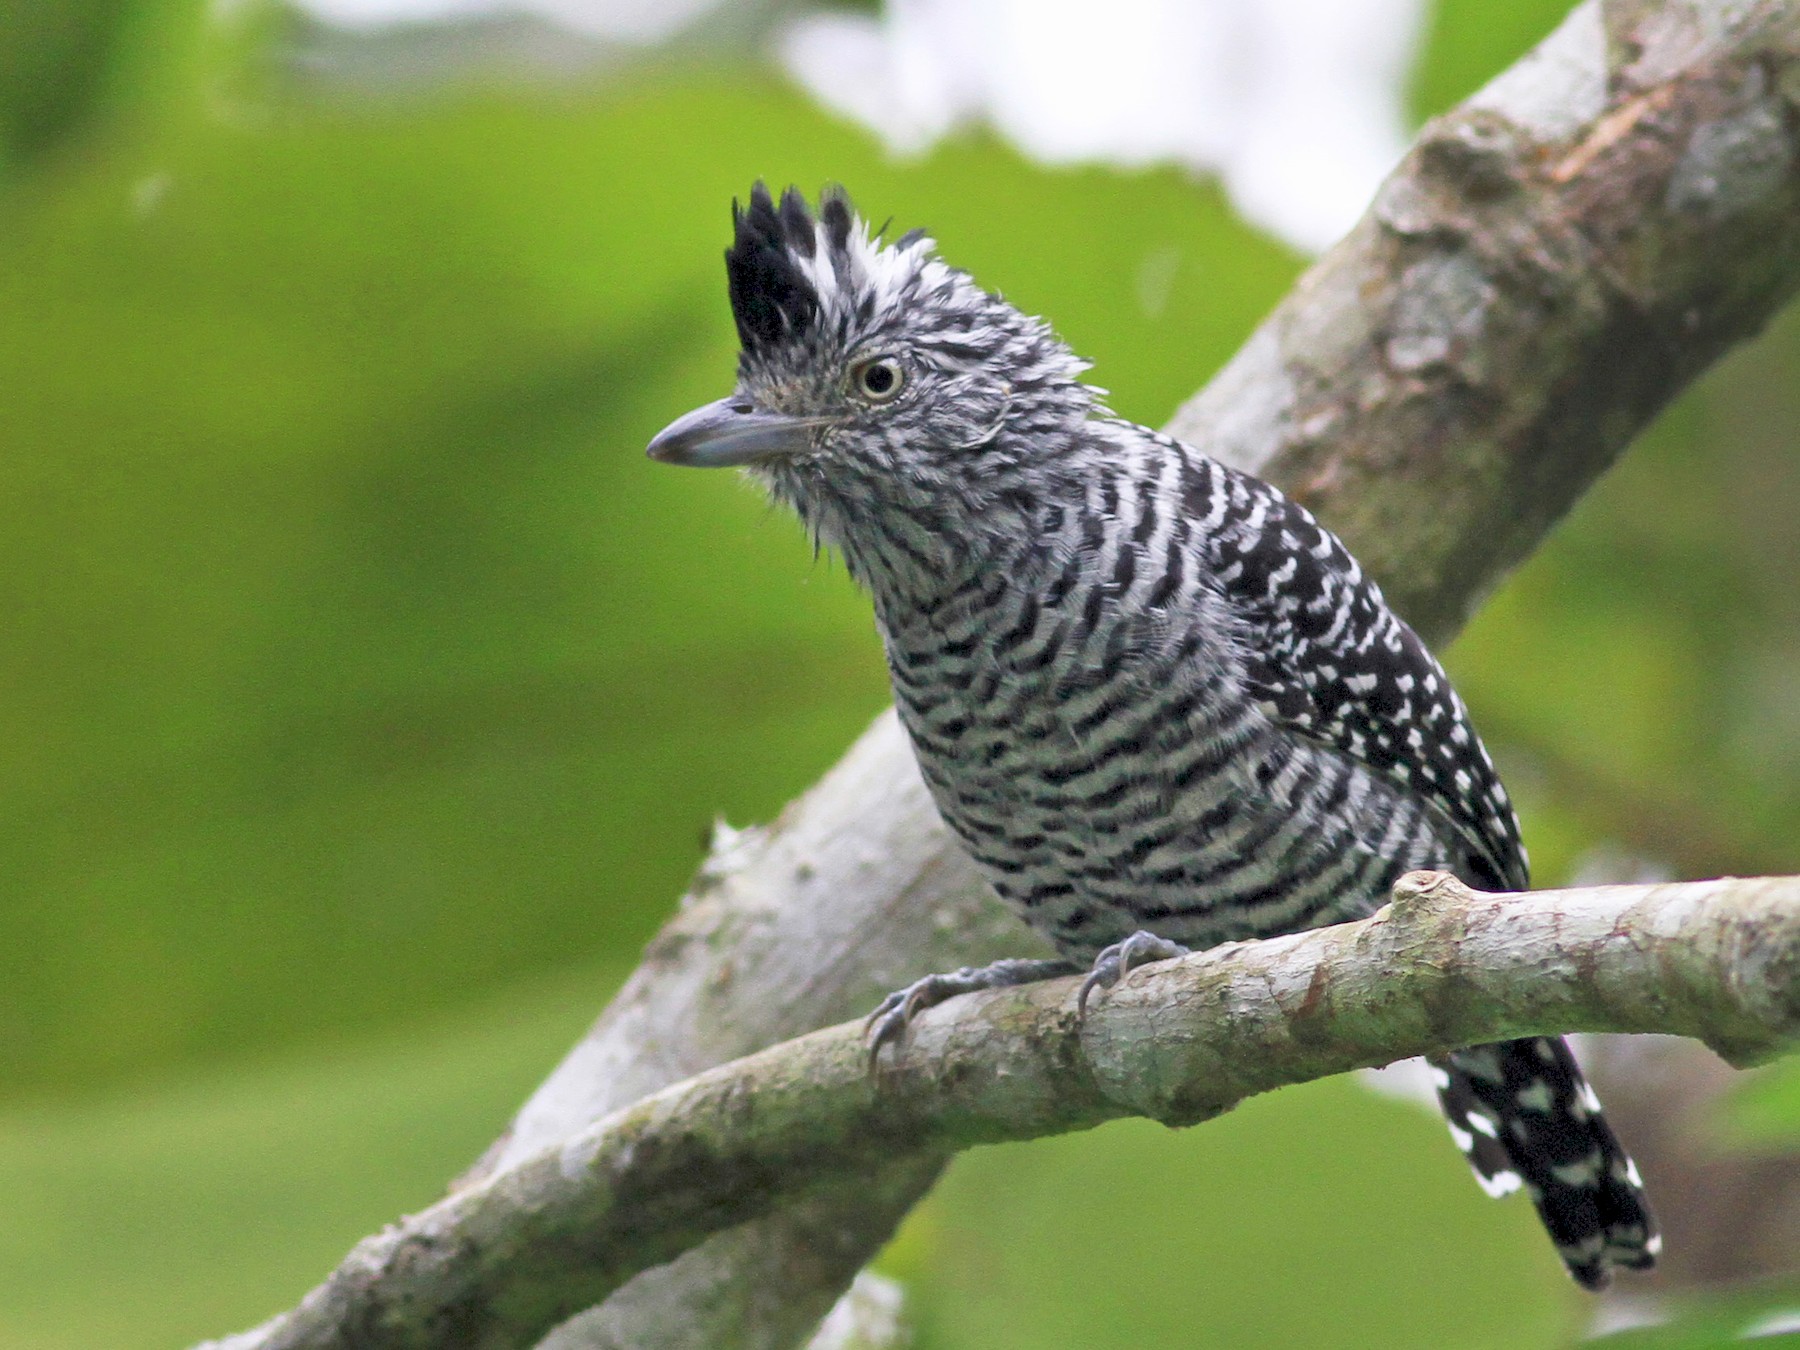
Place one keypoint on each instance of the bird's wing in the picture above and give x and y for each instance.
(1329, 659)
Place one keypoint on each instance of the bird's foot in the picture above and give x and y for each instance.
(889, 1021)
(1120, 959)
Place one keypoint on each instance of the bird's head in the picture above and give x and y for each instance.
(876, 384)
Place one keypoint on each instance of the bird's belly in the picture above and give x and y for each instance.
(1201, 839)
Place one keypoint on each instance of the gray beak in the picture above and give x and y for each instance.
(728, 432)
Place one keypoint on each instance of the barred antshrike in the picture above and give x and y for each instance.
(1160, 704)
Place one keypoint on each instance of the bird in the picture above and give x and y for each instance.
(1158, 702)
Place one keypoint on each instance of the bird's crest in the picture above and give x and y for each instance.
(793, 275)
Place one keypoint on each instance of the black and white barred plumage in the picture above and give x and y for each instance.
(1150, 694)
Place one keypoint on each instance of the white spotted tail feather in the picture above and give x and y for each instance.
(1331, 661)
(1526, 1118)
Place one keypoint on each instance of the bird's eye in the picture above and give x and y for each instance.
(878, 379)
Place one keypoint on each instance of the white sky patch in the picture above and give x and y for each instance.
(1297, 105)
(1408, 1080)
(871, 1314)
(1622, 1311)
(639, 22)
(1783, 1323)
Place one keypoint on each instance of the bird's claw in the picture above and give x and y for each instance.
(886, 1023)
(1120, 959)
(894, 1014)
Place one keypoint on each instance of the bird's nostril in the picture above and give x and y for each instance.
(743, 407)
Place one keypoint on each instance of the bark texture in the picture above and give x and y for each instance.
(1553, 261)
(502, 1261)
(1549, 266)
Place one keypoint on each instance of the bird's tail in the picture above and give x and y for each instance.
(1526, 1117)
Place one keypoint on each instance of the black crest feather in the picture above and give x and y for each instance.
(797, 221)
(771, 298)
(836, 212)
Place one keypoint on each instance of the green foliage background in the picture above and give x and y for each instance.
(364, 694)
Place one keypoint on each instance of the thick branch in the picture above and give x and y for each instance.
(1553, 261)
(1440, 967)
(1551, 264)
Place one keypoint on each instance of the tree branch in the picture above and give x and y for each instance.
(1553, 261)
(1551, 264)
(1440, 967)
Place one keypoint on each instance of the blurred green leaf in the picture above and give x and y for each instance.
(156, 1217)
(1468, 42)
(1321, 1215)
(1765, 1109)
(70, 67)
(357, 659)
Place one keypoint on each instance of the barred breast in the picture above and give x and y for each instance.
(1083, 716)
